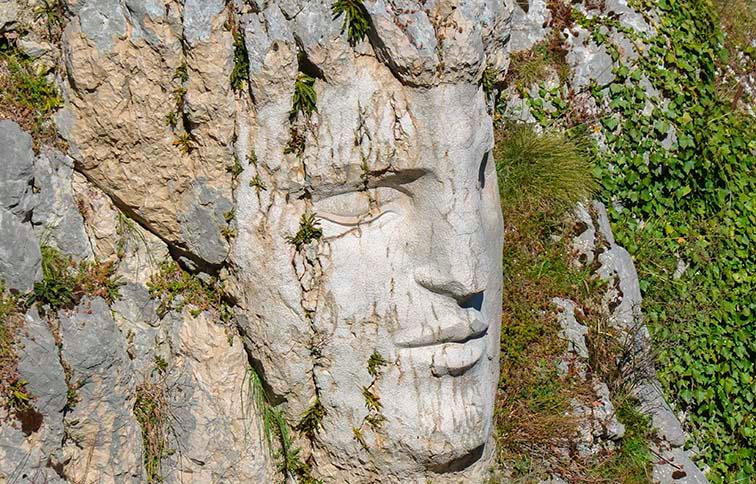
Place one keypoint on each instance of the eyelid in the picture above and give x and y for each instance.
(353, 221)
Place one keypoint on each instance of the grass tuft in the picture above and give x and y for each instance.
(546, 171)
(176, 289)
(65, 282)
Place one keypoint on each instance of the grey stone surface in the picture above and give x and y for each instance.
(588, 61)
(27, 450)
(572, 331)
(198, 19)
(8, 15)
(16, 169)
(202, 223)
(101, 21)
(529, 28)
(676, 467)
(103, 436)
(20, 257)
(56, 217)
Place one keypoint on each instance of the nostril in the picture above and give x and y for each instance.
(473, 301)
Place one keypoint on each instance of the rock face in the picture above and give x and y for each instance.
(340, 185)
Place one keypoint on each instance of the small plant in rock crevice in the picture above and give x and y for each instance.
(304, 101)
(13, 393)
(152, 412)
(27, 97)
(257, 183)
(65, 282)
(374, 418)
(240, 73)
(184, 142)
(356, 22)
(309, 230)
(53, 14)
(312, 419)
(176, 289)
(276, 430)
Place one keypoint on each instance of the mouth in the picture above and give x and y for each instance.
(451, 350)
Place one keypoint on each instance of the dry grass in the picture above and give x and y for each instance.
(738, 21)
(152, 411)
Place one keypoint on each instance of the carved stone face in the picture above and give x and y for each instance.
(365, 240)
(391, 318)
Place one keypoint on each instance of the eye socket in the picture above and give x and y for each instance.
(355, 209)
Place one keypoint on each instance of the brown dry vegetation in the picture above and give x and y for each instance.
(540, 178)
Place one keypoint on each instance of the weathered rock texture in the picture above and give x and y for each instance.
(384, 324)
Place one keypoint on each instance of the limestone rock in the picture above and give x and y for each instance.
(8, 15)
(16, 170)
(56, 216)
(216, 423)
(30, 449)
(20, 258)
(103, 436)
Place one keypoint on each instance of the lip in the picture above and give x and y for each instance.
(458, 332)
(452, 349)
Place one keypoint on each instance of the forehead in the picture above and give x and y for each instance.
(365, 130)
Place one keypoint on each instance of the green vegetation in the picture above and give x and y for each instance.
(696, 201)
(257, 183)
(312, 419)
(375, 364)
(309, 230)
(13, 393)
(65, 282)
(305, 97)
(184, 142)
(548, 170)
(542, 176)
(680, 176)
(240, 73)
(53, 14)
(26, 96)
(356, 21)
(276, 428)
(177, 289)
(738, 20)
(630, 464)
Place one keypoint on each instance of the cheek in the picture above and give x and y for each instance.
(366, 268)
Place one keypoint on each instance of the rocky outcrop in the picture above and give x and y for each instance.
(275, 152)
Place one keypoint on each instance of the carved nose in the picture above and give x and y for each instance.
(460, 283)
